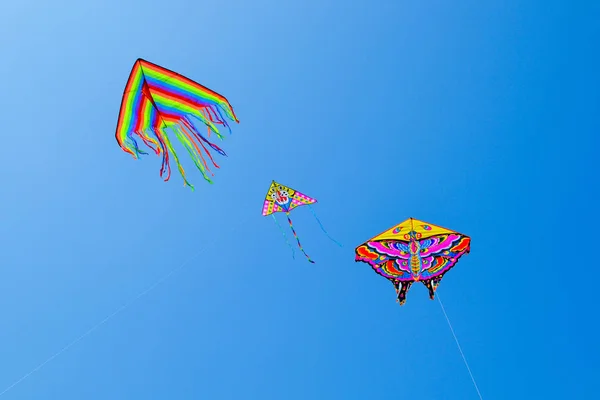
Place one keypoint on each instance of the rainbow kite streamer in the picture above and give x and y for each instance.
(156, 101)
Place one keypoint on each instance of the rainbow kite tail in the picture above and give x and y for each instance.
(323, 228)
(287, 214)
(284, 236)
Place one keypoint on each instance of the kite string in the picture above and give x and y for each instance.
(284, 236)
(322, 227)
(458, 345)
(113, 314)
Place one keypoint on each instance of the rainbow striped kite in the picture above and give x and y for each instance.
(156, 101)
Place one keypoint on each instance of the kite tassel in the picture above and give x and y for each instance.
(216, 148)
(165, 155)
(223, 120)
(432, 285)
(136, 147)
(401, 292)
(296, 236)
(284, 236)
(322, 227)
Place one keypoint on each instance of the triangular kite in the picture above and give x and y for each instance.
(281, 198)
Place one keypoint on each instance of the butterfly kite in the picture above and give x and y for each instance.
(414, 251)
(282, 198)
(158, 102)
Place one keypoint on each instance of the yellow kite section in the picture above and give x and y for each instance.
(276, 185)
(424, 228)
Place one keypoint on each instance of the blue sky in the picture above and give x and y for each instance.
(478, 116)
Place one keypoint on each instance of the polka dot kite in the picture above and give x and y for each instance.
(282, 198)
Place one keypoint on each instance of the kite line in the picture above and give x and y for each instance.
(459, 348)
(160, 281)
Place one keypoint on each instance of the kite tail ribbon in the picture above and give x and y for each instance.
(296, 236)
(284, 237)
(323, 228)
